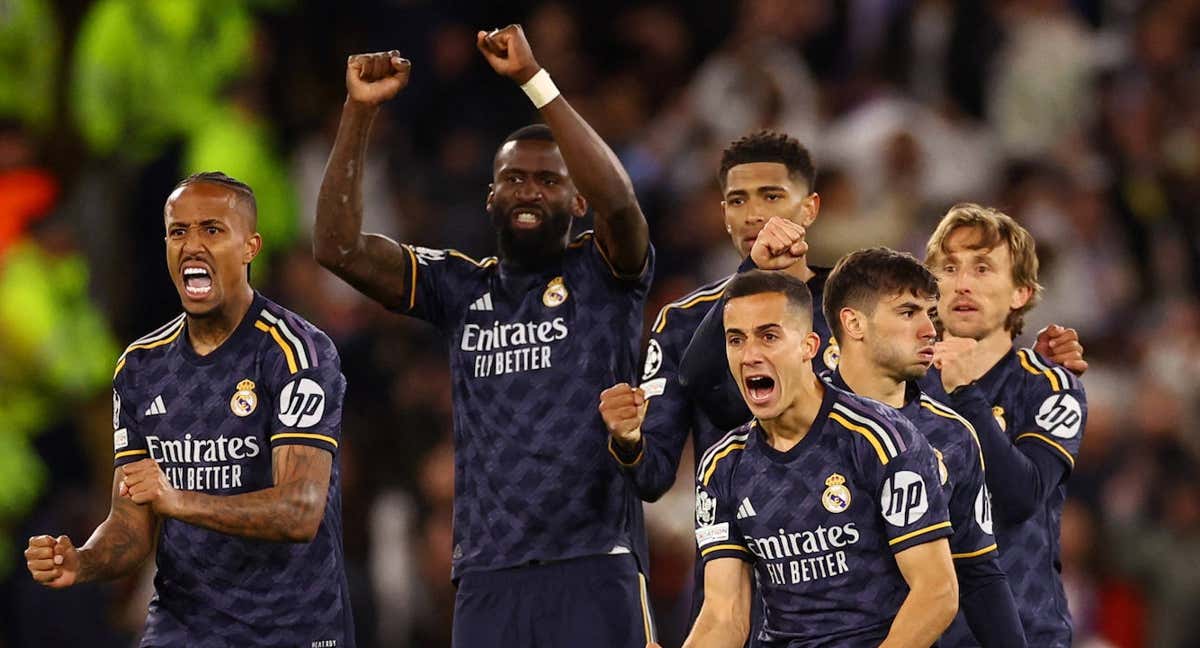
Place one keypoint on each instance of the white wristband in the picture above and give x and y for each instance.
(540, 89)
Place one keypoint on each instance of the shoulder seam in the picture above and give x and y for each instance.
(708, 462)
(164, 334)
(942, 410)
(1033, 364)
(698, 296)
(883, 443)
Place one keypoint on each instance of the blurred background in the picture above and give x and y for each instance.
(1079, 117)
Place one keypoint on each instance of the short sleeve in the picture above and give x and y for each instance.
(128, 443)
(1059, 419)
(911, 499)
(717, 535)
(308, 391)
(596, 264)
(438, 283)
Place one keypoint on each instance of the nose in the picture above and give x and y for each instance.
(528, 192)
(191, 241)
(926, 331)
(756, 215)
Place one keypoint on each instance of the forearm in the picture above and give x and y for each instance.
(118, 546)
(923, 617)
(988, 606)
(1019, 477)
(712, 632)
(337, 234)
(604, 183)
(289, 512)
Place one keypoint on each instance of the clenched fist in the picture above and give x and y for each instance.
(508, 52)
(372, 79)
(623, 409)
(779, 245)
(955, 357)
(145, 483)
(1062, 347)
(53, 562)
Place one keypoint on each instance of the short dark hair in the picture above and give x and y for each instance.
(536, 132)
(770, 146)
(233, 184)
(758, 282)
(860, 279)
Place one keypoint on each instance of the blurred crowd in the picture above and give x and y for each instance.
(1081, 118)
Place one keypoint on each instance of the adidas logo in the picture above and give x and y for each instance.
(483, 303)
(157, 407)
(745, 509)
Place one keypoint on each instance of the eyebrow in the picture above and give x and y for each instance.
(763, 189)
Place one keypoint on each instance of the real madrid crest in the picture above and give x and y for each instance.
(942, 471)
(836, 497)
(998, 412)
(831, 355)
(244, 399)
(556, 293)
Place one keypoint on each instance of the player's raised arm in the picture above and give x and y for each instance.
(115, 549)
(372, 263)
(724, 618)
(620, 226)
(289, 511)
(932, 597)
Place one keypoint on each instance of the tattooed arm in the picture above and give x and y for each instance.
(289, 511)
(116, 547)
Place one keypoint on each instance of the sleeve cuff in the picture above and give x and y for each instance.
(920, 536)
(627, 458)
(129, 456)
(321, 441)
(728, 550)
(983, 553)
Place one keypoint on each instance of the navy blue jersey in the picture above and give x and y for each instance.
(1033, 402)
(703, 369)
(211, 423)
(821, 523)
(530, 353)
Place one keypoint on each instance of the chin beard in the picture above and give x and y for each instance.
(533, 248)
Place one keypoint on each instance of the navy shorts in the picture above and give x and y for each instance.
(594, 601)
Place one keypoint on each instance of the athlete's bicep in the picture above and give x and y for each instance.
(379, 268)
(727, 588)
(301, 464)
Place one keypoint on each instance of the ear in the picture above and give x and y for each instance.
(253, 247)
(809, 209)
(810, 345)
(487, 203)
(854, 323)
(579, 206)
(1020, 297)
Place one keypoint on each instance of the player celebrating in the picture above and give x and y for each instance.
(226, 421)
(834, 499)
(877, 302)
(1029, 412)
(547, 534)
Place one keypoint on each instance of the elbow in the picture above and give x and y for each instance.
(943, 601)
(325, 252)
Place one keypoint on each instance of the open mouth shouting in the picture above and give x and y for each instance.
(760, 389)
(197, 280)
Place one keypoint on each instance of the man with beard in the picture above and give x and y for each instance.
(1030, 412)
(549, 541)
(226, 422)
(878, 304)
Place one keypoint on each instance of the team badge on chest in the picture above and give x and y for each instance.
(836, 497)
(831, 355)
(244, 399)
(556, 293)
(998, 413)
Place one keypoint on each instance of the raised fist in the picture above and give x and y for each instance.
(779, 245)
(623, 409)
(507, 51)
(955, 358)
(374, 78)
(53, 562)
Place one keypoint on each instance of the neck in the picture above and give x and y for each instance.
(992, 348)
(210, 331)
(790, 427)
(800, 270)
(865, 379)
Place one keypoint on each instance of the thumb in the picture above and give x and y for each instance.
(62, 544)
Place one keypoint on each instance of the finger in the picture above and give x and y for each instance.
(639, 397)
(39, 553)
(401, 66)
(47, 575)
(1077, 367)
(41, 541)
(41, 564)
(123, 489)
